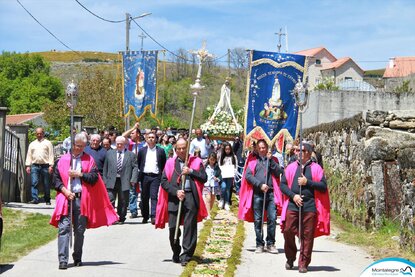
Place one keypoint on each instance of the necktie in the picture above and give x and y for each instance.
(119, 163)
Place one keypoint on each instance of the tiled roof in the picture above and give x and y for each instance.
(21, 118)
(310, 52)
(340, 62)
(401, 67)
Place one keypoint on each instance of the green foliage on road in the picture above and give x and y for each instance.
(26, 84)
(24, 232)
(383, 243)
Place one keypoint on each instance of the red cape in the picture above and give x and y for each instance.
(95, 204)
(246, 192)
(321, 198)
(162, 213)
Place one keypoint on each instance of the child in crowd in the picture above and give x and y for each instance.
(211, 187)
(228, 165)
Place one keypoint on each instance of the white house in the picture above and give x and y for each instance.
(323, 64)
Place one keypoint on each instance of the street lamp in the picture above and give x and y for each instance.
(128, 19)
(300, 94)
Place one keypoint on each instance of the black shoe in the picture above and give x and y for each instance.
(184, 263)
(63, 266)
(33, 202)
(289, 265)
(145, 220)
(48, 203)
(77, 263)
(175, 259)
(153, 221)
(133, 216)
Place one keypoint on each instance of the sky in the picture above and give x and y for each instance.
(370, 32)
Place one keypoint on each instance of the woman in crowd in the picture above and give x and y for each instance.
(228, 164)
(214, 177)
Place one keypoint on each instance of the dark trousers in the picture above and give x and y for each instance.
(307, 236)
(149, 190)
(123, 199)
(189, 217)
(258, 202)
(79, 225)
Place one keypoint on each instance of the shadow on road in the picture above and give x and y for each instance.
(5, 267)
(98, 263)
(323, 268)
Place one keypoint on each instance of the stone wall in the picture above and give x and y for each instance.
(327, 106)
(370, 164)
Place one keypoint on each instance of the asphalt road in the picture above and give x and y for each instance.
(136, 249)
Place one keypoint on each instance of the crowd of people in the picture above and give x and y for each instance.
(178, 182)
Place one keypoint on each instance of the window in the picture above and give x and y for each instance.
(348, 78)
(318, 61)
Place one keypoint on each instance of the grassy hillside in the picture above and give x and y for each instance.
(67, 56)
(375, 73)
(174, 79)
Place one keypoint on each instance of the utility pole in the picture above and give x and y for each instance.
(127, 32)
(142, 36)
(280, 34)
(229, 62)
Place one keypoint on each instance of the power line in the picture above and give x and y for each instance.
(49, 31)
(167, 50)
(94, 14)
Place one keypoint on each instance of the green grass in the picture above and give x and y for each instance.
(22, 233)
(378, 243)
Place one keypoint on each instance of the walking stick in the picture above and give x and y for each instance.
(70, 204)
(179, 212)
(265, 197)
(196, 87)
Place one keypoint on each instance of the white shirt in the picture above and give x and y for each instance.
(201, 144)
(150, 166)
(76, 185)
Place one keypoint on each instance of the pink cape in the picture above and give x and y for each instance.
(162, 213)
(321, 198)
(246, 192)
(95, 204)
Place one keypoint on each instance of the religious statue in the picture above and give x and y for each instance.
(274, 108)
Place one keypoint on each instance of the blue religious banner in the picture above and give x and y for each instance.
(140, 83)
(271, 113)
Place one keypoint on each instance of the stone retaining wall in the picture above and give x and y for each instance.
(370, 164)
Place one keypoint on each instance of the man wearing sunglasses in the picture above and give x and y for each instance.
(306, 207)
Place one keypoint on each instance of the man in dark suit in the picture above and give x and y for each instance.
(193, 207)
(151, 160)
(120, 172)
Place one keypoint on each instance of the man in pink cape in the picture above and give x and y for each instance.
(313, 202)
(261, 181)
(193, 206)
(90, 204)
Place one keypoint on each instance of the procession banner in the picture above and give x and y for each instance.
(270, 111)
(139, 83)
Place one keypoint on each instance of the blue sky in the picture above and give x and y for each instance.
(370, 32)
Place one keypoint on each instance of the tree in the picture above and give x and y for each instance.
(25, 83)
(99, 102)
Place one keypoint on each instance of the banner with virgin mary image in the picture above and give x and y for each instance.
(271, 113)
(140, 83)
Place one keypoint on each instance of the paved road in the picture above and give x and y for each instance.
(132, 249)
(136, 249)
(330, 258)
